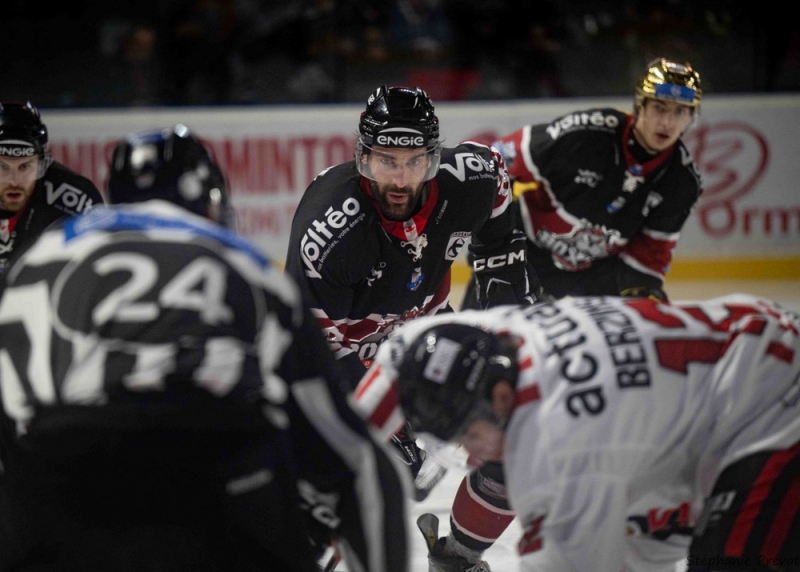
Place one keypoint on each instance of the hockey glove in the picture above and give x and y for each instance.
(440, 558)
(424, 470)
(502, 273)
(656, 294)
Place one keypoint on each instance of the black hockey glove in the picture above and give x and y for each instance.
(503, 274)
(656, 294)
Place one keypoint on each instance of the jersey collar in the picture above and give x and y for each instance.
(640, 168)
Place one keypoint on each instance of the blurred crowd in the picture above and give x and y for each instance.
(90, 53)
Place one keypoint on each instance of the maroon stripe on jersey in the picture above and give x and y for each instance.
(385, 408)
(653, 253)
(780, 351)
(751, 508)
(782, 523)
(543, 210)
(364, 385)
(528, 395)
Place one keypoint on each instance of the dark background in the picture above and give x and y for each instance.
(107, 53)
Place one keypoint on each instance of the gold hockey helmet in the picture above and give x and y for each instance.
(669, 80)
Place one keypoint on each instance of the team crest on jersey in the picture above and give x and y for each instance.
(415, 246)
(577, 249)
(631, 182)
(455, 244)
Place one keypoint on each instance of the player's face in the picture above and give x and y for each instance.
(17, 180)
(659, 124)
(398, 177)
(483, 440)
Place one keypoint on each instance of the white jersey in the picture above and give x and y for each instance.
(627, 410)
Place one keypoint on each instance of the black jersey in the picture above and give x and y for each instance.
(61, 192)
(366, 275)
(593, 193)
(135, 314)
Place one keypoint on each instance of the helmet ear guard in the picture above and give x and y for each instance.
(22, 134)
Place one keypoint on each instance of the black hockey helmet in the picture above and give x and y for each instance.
(22, 133)
(173, 165)
(399, 117)
(445, 378)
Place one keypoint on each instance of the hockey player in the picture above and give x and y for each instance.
(34, 189)
(604, 194)
(594, 403)
(373, 240)
(176, 406)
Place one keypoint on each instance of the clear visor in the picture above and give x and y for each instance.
(390, 164)
(20, 162)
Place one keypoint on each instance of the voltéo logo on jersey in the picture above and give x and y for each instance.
(400, 137)
(74, 199)
(318, 241)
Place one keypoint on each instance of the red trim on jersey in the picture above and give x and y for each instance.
(752, 505)
(12, 220)
(654, 254)
(526, 363)
(780, 351)
(385, 408)
(476, 519)
(544, 211)
(527, 395)
(782, 523)
(364, 385)
(648, 166)
(516, 168)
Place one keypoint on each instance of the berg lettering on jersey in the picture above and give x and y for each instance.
(630, 407)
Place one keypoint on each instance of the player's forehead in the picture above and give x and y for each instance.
(16, 161)
(397, 153)
(671, 106)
